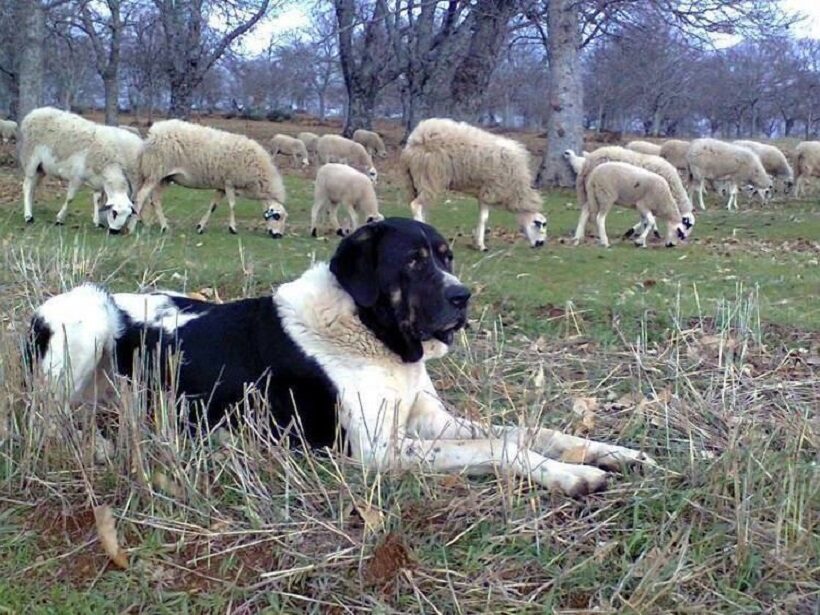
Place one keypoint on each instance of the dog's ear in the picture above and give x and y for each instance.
(354, 264)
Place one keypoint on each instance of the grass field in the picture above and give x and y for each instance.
(706, 356)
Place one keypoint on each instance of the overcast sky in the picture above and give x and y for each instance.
(294, 18)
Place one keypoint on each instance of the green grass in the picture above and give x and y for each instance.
(704, 356)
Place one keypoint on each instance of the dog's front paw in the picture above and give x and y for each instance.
(582, 481)
(613, 458)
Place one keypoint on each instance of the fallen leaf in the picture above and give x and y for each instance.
(373, 517)
(539, 379)
(107, 533)
(585, 407)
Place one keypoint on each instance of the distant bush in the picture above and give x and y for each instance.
(278, 115)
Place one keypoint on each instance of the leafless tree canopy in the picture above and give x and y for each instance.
(660, 67)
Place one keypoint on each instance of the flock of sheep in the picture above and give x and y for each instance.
(440, 155)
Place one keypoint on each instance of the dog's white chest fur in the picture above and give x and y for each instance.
(321, 318)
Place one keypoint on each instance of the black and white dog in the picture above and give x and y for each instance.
(343, 346)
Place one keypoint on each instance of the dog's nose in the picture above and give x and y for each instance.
(538, 243)
(458, 295)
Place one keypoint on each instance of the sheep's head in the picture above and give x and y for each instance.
(534, 226)
(377, 217)
(373, 174)
(275, 217)
(118, 207)
(305, 161)
(683, 228)
(568, 154)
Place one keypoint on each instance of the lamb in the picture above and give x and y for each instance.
(655, 164)
(199, 157)
(774, 161)
(442, 154)
(334, 148)
(55, 142)
(674, 150)
(338, 184)
(310, 139)
(621, 183)
(575, 161)
(644, 147)
(8, 130)
(807, 164)
(713, 159)
(290, 146)
(371, 141)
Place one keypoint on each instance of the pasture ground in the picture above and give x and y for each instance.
(706, 356)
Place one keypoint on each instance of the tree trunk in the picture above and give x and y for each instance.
(788, 126)
(30, 94)
(566, 106)
(182, 96)
(112, 96)
(361, 105)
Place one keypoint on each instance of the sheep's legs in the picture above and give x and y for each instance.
(600, 220)
(582, 225)
(95, 209)
(354, 221)
(481, 229)
(218, 196)
(29, 184)
(417, 207)
(732, 196)
(648, 221)
(156, 201)
(231, 194)
(700, 194)
(71, 192)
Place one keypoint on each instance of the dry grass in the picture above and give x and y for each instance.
(231, 520)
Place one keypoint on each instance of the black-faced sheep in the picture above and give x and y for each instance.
(442, 155)
(334, 148)
(644, 147)
(65, 145)
(205, 158)
(621, 183)
(338, 184)
(290, 146)
(807, 164)
(775, 163)
(713, 159)
(371, 141)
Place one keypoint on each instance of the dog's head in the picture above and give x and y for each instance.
(400, 274)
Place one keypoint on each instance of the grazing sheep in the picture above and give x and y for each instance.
(807, 164)
(644, 147)
(310, 139)
(8, 130)
(55, 142)
(674, 150)
(199, 157)
(442, 154)
(371, 141)
(289, 146)
(338, 184)
(774, 161)
(655, 164)
(575, 162)
(713, 159)
(132, 129)
(621, 183)
(333, 148)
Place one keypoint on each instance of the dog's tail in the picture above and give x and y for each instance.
(70, 335)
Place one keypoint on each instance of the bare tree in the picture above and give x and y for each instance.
(192, 46)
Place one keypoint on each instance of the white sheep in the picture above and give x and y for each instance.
(131, 129)
(338, 184)
(334, 148)
(310, 139)
(674, 150)
(644, 147)
(713, 159)
(200, 157)
(575, 162)
(55, 142)
(290, 146)
(371, 141)
(621, 183)
(8, 130)
(655, 164)
(442, 154)
(807, 164)
(774, 161)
